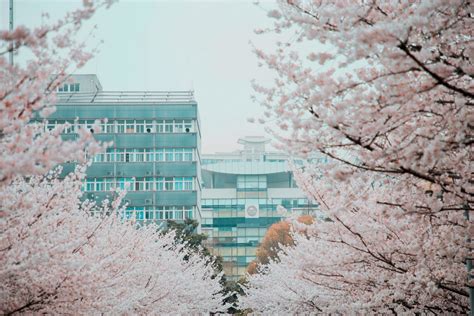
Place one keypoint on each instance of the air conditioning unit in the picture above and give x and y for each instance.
(90, 195)
(148, 130)
(110, 173)
(149, 173)
(148, 201)
(120, 173)
(127, 201)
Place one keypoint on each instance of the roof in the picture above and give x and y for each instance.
(127, 97)
(248, 167)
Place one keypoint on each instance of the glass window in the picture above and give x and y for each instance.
(99, 157)
(109, 184)
(149, 184)
(149, 155)
(169, 154)
(76, 87)
(178, 154)
(65, 87)
(140, 126)
(139, 155)
(110, 127)
(178, 126)
(188, 126)
(168, 184)
(160, 154)
(178, 214)
(149, 127)
(188, 154)
(178, 184)
(160, 184)
(99, 185)
(168, 126)
(130, 126)
(160, 127)
(149, 214)
(139, 184)
(120, 126)
(188, 183)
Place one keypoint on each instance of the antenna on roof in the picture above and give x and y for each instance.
(11, 29)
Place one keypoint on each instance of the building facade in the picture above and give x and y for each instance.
(156, 146)
(242, 196)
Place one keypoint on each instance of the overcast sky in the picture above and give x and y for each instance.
(176, 45)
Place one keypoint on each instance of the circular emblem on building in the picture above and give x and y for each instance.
(252, 210)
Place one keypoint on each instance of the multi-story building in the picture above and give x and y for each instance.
(155, 152)
(241, 195)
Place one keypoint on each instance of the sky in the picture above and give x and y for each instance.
(176, 45)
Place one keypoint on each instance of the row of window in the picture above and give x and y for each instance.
(251, 182)
(71, 87)
(218, 204)
(145, 155)
(159, 213)
(139, 184)
(124, 126)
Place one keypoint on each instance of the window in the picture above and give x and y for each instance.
(169, 155)
(188, 154)
(188, 126)
(109, 184)
(160, 184)
(65, 88)
(149, 155)
(120, 126)
(178, 154)
(188, 183)
(149, 127)
(140, 126)
(130, 126)
(168, 184)
(168, 126)
(178, 184)
(99, 185)
(99, 157)
(139, 184)
(149, 184)
(160, 154)
(178, 126)
(110, 155)
(110, 127)
(76, 87)
(160, 127)
(139, 155)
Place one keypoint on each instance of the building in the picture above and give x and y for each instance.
(155, 152)
(241, 197)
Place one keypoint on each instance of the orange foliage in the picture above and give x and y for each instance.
(277, 235)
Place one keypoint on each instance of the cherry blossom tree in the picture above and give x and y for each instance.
(58, 253)
(384, 90)
(57, 258)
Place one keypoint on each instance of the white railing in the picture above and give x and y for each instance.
(126, 97)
